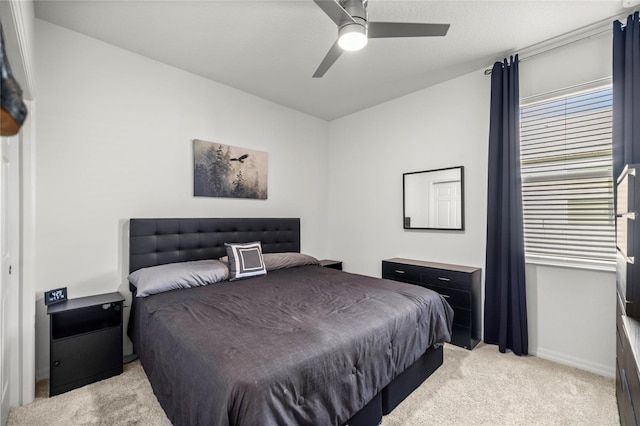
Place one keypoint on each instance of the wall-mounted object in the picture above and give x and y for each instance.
(13, 111)
(433, 199)
(228, 171)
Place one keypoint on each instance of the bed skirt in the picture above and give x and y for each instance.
(396, 391)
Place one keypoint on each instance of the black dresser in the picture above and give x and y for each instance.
(459, 285)
(628, 294)
(627, 357)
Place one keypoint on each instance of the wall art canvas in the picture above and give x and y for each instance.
(221, 170)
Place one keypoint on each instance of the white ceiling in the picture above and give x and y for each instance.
(272, 48)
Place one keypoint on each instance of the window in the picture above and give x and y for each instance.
(567, 185)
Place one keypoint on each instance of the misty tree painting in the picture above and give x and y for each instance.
(228, 171)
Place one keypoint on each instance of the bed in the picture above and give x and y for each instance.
(306, 345)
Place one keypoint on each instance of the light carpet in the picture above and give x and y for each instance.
(479, 387)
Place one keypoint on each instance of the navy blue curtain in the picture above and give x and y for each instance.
(505, 306)
(626, 93)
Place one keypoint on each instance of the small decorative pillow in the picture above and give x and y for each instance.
(245, 260)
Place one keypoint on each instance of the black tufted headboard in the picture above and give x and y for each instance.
(159, 241)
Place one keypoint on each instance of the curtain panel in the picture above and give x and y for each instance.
(505, 310)
(626, 93)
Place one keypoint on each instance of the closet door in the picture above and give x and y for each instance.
(9, 280)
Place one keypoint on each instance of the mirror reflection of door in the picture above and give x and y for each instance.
(445, 199)
(434, 199)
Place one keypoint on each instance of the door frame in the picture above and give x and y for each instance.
(18, 23)
(10, 307)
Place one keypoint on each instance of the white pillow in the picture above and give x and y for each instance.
(245, 260)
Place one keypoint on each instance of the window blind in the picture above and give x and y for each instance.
(567, 185)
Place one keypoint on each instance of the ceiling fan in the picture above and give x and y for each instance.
(354, 29)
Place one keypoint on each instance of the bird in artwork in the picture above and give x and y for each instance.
(241, 158)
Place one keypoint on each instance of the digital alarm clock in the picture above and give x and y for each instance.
(55, 296)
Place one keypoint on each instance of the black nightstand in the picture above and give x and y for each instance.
(85, 341)
(333, 264)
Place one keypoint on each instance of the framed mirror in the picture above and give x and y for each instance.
(434, 199)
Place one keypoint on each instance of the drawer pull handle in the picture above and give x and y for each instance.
(444, 279)
(399, 271)
(446, 296)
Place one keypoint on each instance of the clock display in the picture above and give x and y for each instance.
(55, 296)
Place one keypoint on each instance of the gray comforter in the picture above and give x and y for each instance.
(306, 345)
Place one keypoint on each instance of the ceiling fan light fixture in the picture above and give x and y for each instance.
(352, 37)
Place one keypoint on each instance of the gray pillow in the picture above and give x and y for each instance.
(157, 279)
(245, 260)
(275, 261)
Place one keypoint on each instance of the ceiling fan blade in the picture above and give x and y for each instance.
(403, 29)
(336, 12)
(332, 55)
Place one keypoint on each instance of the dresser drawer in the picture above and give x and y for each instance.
(455, 298)
(444, 278)
(620, 343)
(633, 383)
(405, 273)
(620, 311)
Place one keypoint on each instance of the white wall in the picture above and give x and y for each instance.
(570, 311)
(442, 126)
(114, 134)
(572, 316)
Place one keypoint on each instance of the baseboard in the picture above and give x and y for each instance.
(582, 364)
(42, 374)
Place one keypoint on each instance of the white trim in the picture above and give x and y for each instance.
(603, 27)
(18, 27)
(576, 89)
(27, 237)
(22, 14)
(10, 278)
(571, 361)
